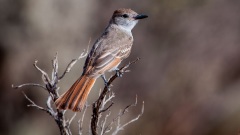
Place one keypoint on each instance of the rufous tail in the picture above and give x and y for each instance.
(75, 98)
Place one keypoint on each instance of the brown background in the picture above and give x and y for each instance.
(189, 74)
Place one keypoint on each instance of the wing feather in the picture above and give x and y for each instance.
(108, 51)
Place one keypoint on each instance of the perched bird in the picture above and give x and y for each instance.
(108, 51)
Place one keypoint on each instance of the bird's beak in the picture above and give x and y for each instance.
(140, 16)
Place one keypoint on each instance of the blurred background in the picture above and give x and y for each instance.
(188, 75)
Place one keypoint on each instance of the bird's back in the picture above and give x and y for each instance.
(114, 43)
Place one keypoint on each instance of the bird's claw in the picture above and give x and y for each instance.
(105, 80)
(119, 73)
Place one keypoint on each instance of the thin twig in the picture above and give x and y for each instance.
(104, 110)
(44, 74)
(127, 107)
(80, 121)
(98, 104)
(72, 63)
(121, 113)
(29, 84)
(111, 95)
(142, 111)
(52, 88)
(121, 127)
(104, 123)
(70, 121)
(33, 104)
(55, 69)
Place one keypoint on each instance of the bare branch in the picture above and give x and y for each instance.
(121, 127)
(142, 111)
(33, 104)
(52, 88)
(72, 63)
(103, 131)
(29, 84)
(70, 121)
(49, 107)
(121, 71)
(121, 113)
(98, 105)
(111, 95)
(127, 107)
(80, 121)
(104, 110)
(44, 74)
(124, 69)
(55, 68)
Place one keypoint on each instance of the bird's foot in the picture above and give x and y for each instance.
(105, 80)
(119, 73)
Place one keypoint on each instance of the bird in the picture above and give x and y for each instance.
(113, 46)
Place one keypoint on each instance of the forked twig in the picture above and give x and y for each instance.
(72, 63)
(52, 88)
(99, 107)
(121, 127)
(118, 118)
(98, 104)
(33, 103)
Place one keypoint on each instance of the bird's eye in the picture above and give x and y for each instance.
(125, 16)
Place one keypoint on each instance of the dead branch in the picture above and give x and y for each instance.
(80, 121)
(72, 63)
(29, 84)
(52, 88)
(121, 127)
(33, 104)
(97, 108)
(102, 105)
(118, 119)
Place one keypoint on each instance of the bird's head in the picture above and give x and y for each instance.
(126, 18)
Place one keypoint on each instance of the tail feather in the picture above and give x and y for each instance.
(76, 96)
(77, 89)
(63, 101)
(81, 99)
